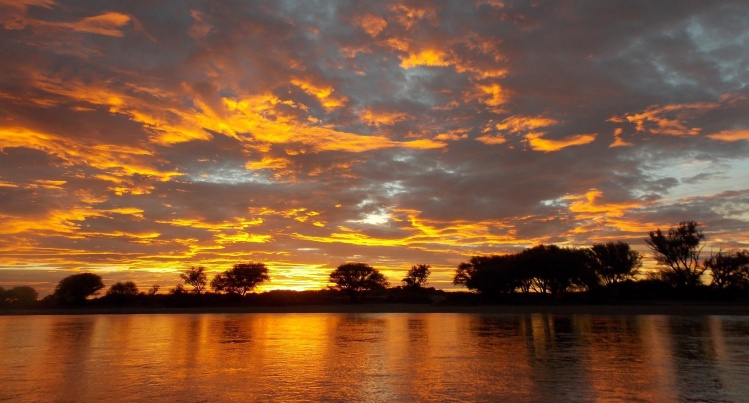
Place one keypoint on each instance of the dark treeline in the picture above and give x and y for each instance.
(610, 271)
(603, 273)
(352, 282)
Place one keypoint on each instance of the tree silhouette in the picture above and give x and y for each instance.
(417, 276)
(121, 293)
(179, 289)
(357, 278)
(127, 288)
(241, 279)
(556, 270)
(677, 253)
(153, 290)
(73, 290)
(729, 269)
(492, 275)
(21, 296)
(615, 262)
(195, 277)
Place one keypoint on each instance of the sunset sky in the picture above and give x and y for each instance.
(139, 138)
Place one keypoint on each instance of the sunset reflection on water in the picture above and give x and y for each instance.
(373, 357)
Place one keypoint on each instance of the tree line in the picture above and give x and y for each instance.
(352, 280)
(540, 270)
(550, 269)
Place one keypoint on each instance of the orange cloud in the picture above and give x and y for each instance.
(255, 115)
(268, 163)
(237, 224)
(588, 206)
(731, 135)
(242, 237)
(618, 141)
(428, 57)
(452, 135)
(538, 143)
(166, 123)
(668, 119)
(494, 94)
(135, 212)
(518, 124)
(428, 235)
(56, 221)
(594, 216)
(118, 160)
(492, 139)
(200, 28)
(321, 92)
(109, 24)
(378, 118)
(409, 15)
(371, 24)
(301, 214)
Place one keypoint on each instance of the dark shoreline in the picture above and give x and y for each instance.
(673, 309)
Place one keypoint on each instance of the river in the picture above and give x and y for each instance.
(391, 357)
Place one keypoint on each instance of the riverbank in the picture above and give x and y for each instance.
(671, 308)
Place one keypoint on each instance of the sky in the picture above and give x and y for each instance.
(138, 139)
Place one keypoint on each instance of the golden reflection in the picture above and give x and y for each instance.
(616, 342)
(657, 344)
(373, 357)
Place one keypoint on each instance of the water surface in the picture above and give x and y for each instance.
(373, 357)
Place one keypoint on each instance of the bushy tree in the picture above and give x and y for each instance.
(121, 293)
(179, 289)
(127, 288)
(241, 279)
(492, 275)
(153, 290)
(73, 290)
(677, 253)
(195, 277)
(417, 276)
(21, 296)
(615, 262)
(557, 270)
(357, 278)
(729, 269)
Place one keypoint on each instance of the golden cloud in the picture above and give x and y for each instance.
(667, 119)
(371, 24)
(731, 135)
(492, 139)
(119, 161)
(427, 57)
(108, 24)
(378, 118)
(431, 235)
(520, 123)
(325, 94)
(618, 141)
(538, 143)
